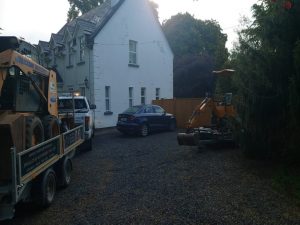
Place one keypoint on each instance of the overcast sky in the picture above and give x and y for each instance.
(35, 20)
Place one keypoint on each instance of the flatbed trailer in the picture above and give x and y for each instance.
(37, 171)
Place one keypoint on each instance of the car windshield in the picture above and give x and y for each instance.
(67, 104)
(133, 109)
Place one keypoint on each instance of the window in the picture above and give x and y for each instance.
(82, 91)
(132, 52)
(70, 53)
(157, 93)
(148, 109)
(143, 95)
(107, 98)
(130, 96)
(158, 109)
(81, 49)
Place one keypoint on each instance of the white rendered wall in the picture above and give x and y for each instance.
(133, 21)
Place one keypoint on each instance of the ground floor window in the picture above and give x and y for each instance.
(82, 91)
(143, 95)
(107, 98)
(130, 96)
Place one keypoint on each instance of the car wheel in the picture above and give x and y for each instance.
(172, 125)
(144, 131)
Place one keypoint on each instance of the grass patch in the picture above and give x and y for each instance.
(287, 179)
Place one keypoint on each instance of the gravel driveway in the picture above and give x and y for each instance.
(152, 180)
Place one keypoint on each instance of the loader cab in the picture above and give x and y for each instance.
(17, 92)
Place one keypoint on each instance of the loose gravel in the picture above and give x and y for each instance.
(152, 180)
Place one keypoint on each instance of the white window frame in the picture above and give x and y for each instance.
(81, 48)
(157, 93)
(133, 52)
(130, 95)
(107, 99)
(70, 53)
(143, 95)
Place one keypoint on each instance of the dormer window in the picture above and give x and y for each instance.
(133, 53)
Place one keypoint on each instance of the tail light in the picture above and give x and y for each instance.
(130, 118)
(87, 122)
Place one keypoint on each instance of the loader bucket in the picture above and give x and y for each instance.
(188, 139)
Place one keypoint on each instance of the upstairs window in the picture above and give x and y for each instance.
(70, 53)
(157, 93)
(132, 52)
(130, 96)
(143, 95)
(81, 49)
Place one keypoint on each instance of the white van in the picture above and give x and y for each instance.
(83, 114)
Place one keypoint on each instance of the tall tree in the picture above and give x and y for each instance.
(78, 7)
(267, 79)
(199, 48)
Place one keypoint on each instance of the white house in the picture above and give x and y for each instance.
(116, 55)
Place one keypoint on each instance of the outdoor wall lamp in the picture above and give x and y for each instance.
(86, 83)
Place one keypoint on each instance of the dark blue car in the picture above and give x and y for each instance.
(143, 119)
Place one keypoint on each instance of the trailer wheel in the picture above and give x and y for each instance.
(51, 126)
(45, 189)
(34, 131)
(66, 171)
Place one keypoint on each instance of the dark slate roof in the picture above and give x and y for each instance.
(57, 38)
(93, 21)
(44, 45)
(86, 25)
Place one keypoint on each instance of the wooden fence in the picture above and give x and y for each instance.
(182, 108)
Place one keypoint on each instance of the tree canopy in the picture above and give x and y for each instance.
(199, 48)
(267, 79)
(78, 7)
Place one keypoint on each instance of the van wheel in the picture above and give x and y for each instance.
(45, 189)
(34, 131)
(66, 171)
(51, 126)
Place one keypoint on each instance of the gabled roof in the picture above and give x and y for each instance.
(57, 38)
(44, 45)
(93, 21)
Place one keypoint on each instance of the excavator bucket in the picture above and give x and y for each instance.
(188, 139)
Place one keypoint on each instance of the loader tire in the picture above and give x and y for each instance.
(34, 131)
(51, 126)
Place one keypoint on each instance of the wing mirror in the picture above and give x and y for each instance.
(92, 106)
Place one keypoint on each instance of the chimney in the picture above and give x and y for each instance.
(114, 2)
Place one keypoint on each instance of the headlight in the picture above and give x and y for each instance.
(12, 71)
